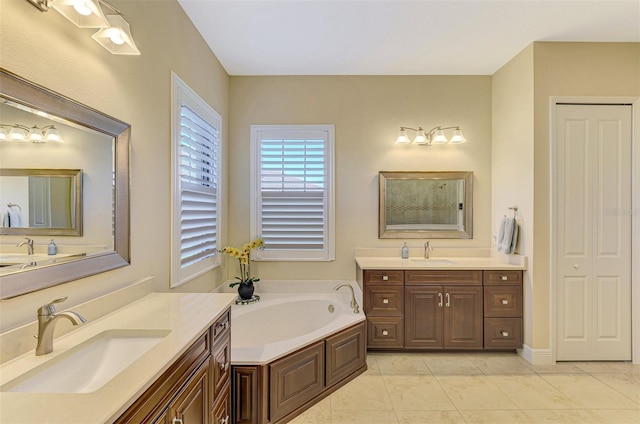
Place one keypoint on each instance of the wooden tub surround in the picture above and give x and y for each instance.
(283, 389)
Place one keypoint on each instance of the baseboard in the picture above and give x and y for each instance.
(537, 356)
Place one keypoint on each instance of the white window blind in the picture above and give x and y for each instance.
(196, 179)
(293, 191)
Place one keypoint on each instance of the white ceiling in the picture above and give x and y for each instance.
(397, 37)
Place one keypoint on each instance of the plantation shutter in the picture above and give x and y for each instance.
(199, 144)
(293, 193)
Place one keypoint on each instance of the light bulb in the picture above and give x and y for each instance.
(115, 35)
(81, 7)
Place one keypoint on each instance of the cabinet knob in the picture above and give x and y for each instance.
(385, 333)
(176, 421)
(505, 301)
(504, 333)
(504, 278)
(385, 278)
(224, 420)
(224, 367)
(385, 300)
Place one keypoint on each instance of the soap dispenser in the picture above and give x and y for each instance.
(52, 249)
(405, 251)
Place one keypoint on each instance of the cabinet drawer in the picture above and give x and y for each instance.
(502, 333)
(501, 277)
(384, 276)
(503, 301)
(385, 332)
(383, 300)
(220, 365)
(443, 277)
(222, 324)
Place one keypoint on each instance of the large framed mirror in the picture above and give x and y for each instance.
(416, 204)
(98, 237)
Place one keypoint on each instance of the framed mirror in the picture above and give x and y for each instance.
(93, 142)
(420, 204)
(41, 202)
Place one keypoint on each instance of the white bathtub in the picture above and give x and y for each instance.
(281, 323)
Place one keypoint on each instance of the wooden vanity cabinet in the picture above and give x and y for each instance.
(443, 309)
(192, 390)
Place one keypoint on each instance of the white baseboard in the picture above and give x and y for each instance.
(537, 356)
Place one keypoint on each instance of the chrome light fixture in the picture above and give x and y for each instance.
(435, 135)
(114, 34)
(19, 132)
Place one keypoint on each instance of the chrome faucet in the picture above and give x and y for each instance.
(29, 244)
(427, 248)
(354, 304)
(47, 319)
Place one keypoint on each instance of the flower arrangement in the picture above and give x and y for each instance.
(243, 255)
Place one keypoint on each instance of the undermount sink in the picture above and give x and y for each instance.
(90, 365)
(432, 262)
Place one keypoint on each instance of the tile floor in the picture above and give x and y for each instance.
(482, 388)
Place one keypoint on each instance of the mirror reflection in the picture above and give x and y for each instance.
(64, 172)
(425, 205)
(41, 201)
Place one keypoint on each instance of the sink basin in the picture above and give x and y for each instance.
(432, 262)
(90, 365)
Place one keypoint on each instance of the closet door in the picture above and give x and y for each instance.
(593, 232)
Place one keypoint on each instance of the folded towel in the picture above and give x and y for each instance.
(12, 218)
(507, 235)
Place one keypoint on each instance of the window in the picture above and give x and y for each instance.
(195, 184)
(292, 186)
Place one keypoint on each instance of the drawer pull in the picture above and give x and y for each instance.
(223, 326)
(385, 300)
(224, 367)
(448, 300)
(440, 297)
(385, 278)
(504, 333)
(176, 421)
(224, 420)
(505, 301)
(385, 333)
(504, 278)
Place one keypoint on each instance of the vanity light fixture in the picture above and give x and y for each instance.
(114, 33)
(433, 136)
(18, 132)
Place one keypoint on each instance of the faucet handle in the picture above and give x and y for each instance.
(49, 308)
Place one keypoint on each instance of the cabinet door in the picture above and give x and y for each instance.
(191, 406)
(344, 354)
(463, 320)
(220, 365)
(423, 317)
(221, 412)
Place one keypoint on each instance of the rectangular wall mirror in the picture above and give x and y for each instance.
(417, 204)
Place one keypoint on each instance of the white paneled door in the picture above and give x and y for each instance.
(593, 232)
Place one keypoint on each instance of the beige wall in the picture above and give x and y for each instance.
(521, 97)
(49, 50)
(367, 112)
(512, 159)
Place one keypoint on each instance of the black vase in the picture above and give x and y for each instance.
(245, 291)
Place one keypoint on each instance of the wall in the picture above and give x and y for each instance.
(48, 50)
(512, 160)
(367, 112)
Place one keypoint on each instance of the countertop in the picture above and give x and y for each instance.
(185, 315)
(482, 263)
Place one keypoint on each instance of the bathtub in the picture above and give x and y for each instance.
(281, 323)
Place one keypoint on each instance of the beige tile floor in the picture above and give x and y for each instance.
(482, 388)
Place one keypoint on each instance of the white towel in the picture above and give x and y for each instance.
(13, 217)
(507, 235)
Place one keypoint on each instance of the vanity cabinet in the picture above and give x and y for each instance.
(443, 309)
(195, 389)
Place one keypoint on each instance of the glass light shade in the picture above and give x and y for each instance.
(3, 133)
(35, 135)
(18, 133)
(52, 134)
(439, 137)
(83, 13)
(117, 38)
(458, 138)
(421, 138)
(402, 138)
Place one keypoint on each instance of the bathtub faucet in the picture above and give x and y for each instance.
(354, 304)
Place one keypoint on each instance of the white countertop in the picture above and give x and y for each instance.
(186, 315)
(460, 263)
